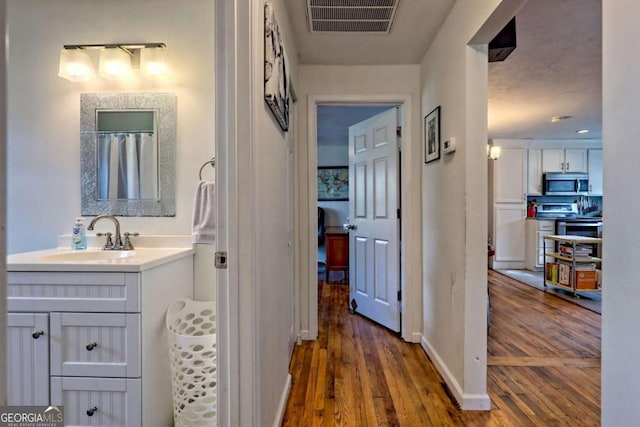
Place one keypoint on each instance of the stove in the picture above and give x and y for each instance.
(557, 210)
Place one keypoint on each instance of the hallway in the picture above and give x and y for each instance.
(544, 368)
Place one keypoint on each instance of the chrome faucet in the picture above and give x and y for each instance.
(109, 245)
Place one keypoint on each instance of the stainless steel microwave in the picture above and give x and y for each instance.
(565, 184)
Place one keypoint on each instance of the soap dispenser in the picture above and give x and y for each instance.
(78, 235)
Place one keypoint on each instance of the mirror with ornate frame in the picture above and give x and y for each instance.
(128, 143)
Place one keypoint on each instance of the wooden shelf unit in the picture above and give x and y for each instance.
(574, 262)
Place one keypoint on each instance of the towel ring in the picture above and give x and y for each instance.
(211, 162)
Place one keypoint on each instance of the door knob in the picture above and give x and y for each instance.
(350, 227)
(37, 334)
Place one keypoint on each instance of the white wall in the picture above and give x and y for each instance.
(44, 110)
(372, 82)
(621, 293)
(454, 196)
(273, 284)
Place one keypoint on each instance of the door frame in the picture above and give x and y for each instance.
(411, 291)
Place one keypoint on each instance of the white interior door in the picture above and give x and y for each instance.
(374, 274)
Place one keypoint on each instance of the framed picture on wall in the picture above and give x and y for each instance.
(276, 79)
(333, 183)
(432, 135)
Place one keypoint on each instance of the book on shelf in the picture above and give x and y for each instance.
(584, 276)
(580, 251)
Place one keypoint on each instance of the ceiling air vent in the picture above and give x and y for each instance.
(351, 16)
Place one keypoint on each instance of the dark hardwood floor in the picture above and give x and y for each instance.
(544, 368)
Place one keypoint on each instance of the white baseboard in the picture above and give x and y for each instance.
(415, 337)
(505, 265)
(468, 402)
(283, 402)
(305, 334)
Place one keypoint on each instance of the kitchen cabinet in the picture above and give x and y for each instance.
(510, 197)
(509, 235)
(96, 340)
(535, 231)
(564, 160)
(510, 176)
(534, 172)
(595, 172)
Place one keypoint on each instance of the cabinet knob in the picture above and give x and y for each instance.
(37, 334)
(92, 411)
(91, 346)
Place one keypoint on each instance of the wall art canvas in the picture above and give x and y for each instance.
(333, 183)
(432, 135)
(276, 79)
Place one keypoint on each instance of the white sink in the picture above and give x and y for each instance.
(95, 259)
(87, 256)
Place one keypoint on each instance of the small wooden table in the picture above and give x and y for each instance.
(337, 243)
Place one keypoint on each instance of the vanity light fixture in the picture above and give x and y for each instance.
(116, 61)
(493, 152)
(75, 65)
(153, 61)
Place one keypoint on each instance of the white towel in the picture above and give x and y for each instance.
(204, 213)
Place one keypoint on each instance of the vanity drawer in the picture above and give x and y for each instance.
(95, 345)
(110, 401)
(62, 291)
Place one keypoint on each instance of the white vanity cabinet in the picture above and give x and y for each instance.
(28, 358)
(103, 351)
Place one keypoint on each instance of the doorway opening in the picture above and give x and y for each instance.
(329, 116)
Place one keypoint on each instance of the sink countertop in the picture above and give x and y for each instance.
(143, 259)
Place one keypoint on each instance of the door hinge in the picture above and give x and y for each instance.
(398, 213)
(221, 260)
(399, 131)
(399, 295)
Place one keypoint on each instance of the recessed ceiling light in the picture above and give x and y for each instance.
(583, 131)
(558, 118)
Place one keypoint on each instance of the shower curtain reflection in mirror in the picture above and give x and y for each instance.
(127, 165)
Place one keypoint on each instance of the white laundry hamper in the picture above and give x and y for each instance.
(191, 329)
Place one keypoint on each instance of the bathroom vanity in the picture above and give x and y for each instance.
(87, 331)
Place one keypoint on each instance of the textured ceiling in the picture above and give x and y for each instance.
(554, 71)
